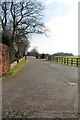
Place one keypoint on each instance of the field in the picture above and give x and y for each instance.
(71, 56)
(67, 60)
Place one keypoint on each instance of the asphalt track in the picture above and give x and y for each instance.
(42, 90)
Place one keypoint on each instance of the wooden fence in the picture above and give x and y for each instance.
(68, 61)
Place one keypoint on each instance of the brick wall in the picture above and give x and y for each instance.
(4, 59)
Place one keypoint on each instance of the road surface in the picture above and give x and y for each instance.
(42, 90)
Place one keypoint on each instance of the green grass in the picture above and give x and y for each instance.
(16, 69)
(33, 57)
(71, 56)
(72, 60)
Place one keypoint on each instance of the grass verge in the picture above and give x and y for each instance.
(18, 67)
(33, 57)
(71, 56)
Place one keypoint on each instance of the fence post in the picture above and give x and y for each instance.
(71, 61)
(57, 60)
(67, 61)
(61, 60)
(77, 61)
(64, 60)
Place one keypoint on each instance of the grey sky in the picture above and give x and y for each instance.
(61, 18)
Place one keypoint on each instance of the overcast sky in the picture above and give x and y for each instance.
(61, 18)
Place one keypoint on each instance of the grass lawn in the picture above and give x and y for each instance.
(18, 67)
(71, 56)
(33, 57)
(72, 60)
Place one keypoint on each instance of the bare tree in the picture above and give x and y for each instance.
(21, 46)
(22, 19)
(34, 51)
(3, 14)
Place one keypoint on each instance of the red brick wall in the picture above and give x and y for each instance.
(4, 59)
(0, 59)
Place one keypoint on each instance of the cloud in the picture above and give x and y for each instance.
(71, 3)
(64, 32)
(48, 2)
(64, 1)
(63, 36)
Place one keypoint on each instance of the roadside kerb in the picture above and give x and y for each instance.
(15, 63)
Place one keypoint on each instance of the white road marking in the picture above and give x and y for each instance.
(56, 66)
(71, 83)
(53, 65)
(45, 62)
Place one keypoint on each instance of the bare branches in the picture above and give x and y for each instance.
(22, 19)
(3, 16)
(25, 16)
